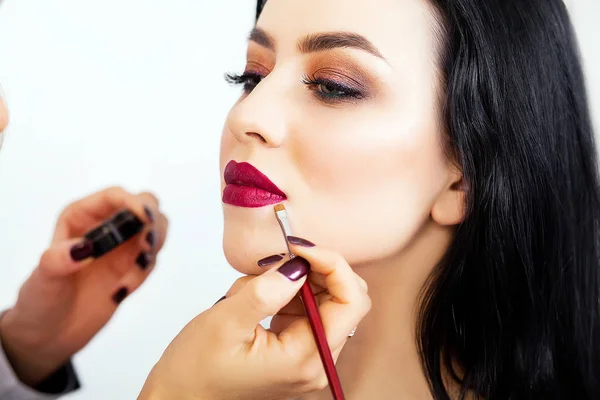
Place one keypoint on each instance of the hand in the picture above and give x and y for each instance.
(69, 297)
(3, 118)
(224, 353)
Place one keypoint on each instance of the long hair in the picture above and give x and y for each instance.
(513, 309)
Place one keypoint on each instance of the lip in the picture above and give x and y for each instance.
(247, 187)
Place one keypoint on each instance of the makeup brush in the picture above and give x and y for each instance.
(312, 312)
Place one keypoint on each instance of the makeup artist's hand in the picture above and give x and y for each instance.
(69, 297)
(224, 353)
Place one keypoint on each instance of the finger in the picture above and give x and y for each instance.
(136, 253)
(262, 297)
(350, 302)
(238, 285)
(363, 284)
(293, 311)
(317, 282)
(150, 200)
(335, 354)
(65, 257)
(82, 215)
(280, 323)
(235, 288)
(161, 227)
(296, 307)
(150, 206)
(153, 236)
(134, 278)
(339, 278)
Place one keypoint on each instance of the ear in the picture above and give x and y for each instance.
(449, 207)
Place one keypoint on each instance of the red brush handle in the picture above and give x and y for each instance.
(312, 311)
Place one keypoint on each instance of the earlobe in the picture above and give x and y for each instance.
(449, 208)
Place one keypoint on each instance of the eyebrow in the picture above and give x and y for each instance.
(320, 42)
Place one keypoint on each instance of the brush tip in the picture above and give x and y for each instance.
(279, 207)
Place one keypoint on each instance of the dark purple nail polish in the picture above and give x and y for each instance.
(120, 295)
(269, 260)
(220, 300)
(81, 251)
(143, 260)
(149, 214)
(295, 268)
(150, 238)
(300, 242)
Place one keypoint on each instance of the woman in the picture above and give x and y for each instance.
(444, 148)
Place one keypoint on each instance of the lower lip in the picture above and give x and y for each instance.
(249, 197)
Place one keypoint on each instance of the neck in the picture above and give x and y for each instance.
(381, 360)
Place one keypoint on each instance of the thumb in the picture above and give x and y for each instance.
(65, 257)
(265, 295)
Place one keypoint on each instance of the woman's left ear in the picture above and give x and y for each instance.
(449, 208)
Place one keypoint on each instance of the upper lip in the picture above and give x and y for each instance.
(244, 174)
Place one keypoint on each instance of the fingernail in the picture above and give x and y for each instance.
(82, 250)
(269, 260)
(295, 268)
(150, 238)
(220, 300)
(149, 214)
(143, 260)
(300, 242)
(120, 295)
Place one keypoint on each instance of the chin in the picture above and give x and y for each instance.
(250, 234)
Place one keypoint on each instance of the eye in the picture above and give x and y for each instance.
(249, 80)
(331, 90)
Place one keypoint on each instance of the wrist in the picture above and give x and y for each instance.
(29, 355)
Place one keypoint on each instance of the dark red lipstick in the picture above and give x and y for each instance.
(247, 187)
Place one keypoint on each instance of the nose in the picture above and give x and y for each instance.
(259, 118)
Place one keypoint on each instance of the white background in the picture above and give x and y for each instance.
(130, 92)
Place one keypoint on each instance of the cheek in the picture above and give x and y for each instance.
(227, 148)
(368, 188)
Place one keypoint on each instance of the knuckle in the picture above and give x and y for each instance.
(366, 304)
(258, 296)
(67, 212)
(338, 261)
(320, 383)
(363, 284)
(150, 197)
(45, 259)
(238, 285)
(115, 191)
(164, 222)
(311, 375)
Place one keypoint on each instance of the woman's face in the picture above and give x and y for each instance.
(344, 122)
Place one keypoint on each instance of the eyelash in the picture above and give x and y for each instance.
(249, 80)
(339, 92)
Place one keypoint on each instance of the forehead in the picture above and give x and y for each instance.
(400, 29)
